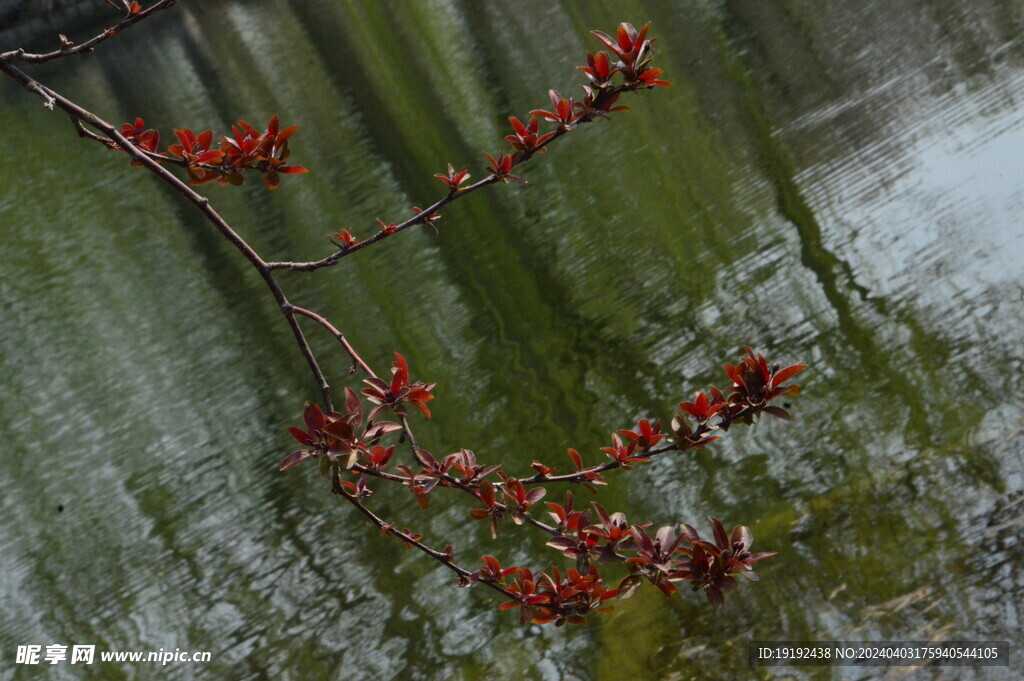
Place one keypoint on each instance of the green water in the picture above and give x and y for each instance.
(834, 183)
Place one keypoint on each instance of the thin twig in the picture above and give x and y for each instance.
(89, 134)
(418, 219)
(408, 434)
(442, 557)
(581, 476)
(322, 321)
(69, 50)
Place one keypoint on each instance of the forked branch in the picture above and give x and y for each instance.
(354, 439)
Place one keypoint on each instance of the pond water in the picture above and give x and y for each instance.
(834, 183)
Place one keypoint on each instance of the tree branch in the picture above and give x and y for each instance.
(578, 593)
(68, 49)
(418, 219)
(445, 558)
(199, 201)
(322, 321)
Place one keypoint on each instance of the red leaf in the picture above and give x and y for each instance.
(486, 493)
(536, 494)
(422, 498)
(247, 128)
(575, 456)
(643, 33)
(607, 40)
(402, 373)
(786, 374)
(422, 407)
(185, 137)
(761, 556)
(741, 535)
(715, 597)
(352, 402)
(562, 543)
(721, 538)
(778, 412)
(283, 136)
(301, 436)
(296, 458)
(517, 126)
(339, 429)
(313, 416)
(625, 36)
(211, 157)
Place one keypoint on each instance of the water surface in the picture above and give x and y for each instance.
(833, 183)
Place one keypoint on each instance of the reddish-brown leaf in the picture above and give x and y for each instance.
(778, 412)
(576, 459)
(300, 435)
(786, 374)
(486, 493)
(721, 538)
(313, 416)
(296, 458)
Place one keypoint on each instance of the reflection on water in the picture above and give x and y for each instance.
(837, 183)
